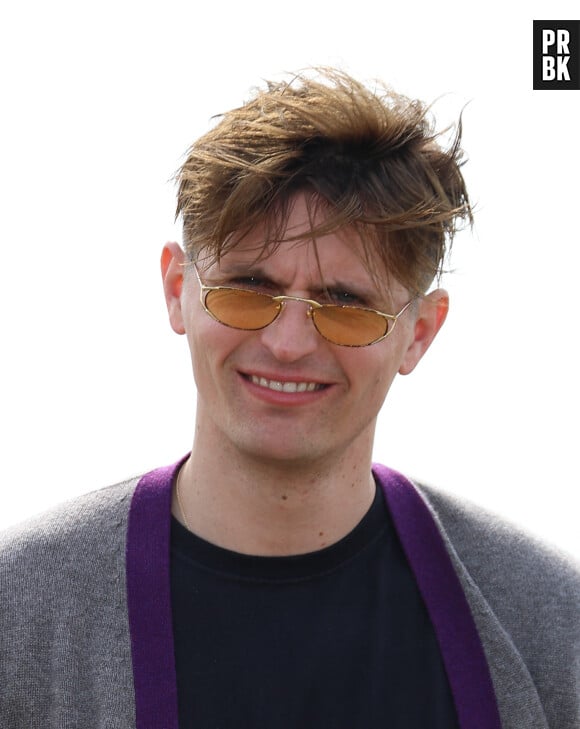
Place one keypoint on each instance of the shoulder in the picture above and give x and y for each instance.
(499, 553)
(63, 616)
(523, 593)
(51, 556)
(87, 519)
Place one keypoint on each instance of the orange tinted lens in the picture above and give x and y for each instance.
(241, 309)
(349, 326)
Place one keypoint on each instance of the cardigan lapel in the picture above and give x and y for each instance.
(442, 592)
(149, 601)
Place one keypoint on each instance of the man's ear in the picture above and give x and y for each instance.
(432, 312)
(172, 264)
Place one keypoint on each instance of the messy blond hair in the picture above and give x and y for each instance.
(370, 158)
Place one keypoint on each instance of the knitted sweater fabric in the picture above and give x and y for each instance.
(68, 651)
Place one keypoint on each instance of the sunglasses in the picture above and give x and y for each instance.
(348, 326)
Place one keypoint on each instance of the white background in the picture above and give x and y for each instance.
(99, 103)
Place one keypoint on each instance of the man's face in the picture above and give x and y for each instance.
(284, 394)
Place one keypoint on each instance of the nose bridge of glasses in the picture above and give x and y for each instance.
(282, 299)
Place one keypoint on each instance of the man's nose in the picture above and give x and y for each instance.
(291, 335)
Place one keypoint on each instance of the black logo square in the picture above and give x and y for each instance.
(557, 54)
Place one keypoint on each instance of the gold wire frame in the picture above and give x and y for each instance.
(313, 305)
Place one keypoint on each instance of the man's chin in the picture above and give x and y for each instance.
(287, 456)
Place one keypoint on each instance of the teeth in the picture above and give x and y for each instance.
(285, 386)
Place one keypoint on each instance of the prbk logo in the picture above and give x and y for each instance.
(556, 54)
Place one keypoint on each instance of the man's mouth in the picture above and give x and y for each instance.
(282, 386)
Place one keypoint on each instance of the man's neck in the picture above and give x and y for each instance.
(252, 506)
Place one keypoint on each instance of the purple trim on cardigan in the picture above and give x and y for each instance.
(149, 601)
(445, 600)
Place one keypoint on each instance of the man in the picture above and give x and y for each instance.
(272, 577)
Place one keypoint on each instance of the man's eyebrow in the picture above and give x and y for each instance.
(366, 293)
(231, 268)
(336, 284)
(246, 270)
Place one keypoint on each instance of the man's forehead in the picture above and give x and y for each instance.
(295, 232)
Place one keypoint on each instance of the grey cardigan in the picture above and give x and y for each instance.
(85, 639)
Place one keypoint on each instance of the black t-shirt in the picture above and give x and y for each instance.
(338, 638)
